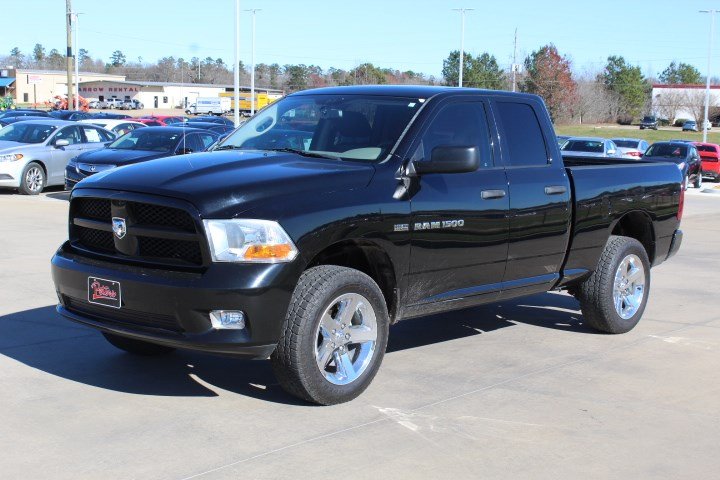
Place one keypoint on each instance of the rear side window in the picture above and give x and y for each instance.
(523, 135)
(458, 125)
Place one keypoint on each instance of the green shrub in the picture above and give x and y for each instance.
(679, 122)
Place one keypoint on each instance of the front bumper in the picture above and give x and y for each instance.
(172, 308)
(10, 173)
(72, 177)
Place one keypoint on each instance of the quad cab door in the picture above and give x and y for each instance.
(459, 225)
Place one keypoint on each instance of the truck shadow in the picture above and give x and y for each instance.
(41, 339)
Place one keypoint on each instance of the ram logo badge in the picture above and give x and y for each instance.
(436, 225)
(119, 228)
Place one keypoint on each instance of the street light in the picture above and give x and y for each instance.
(462, 40)
(252, 60)
(236, 109)
(76, 16)
(707, 80)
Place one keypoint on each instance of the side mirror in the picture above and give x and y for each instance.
(61, 143)
(611, 152)
(450, 160)
(183, 151)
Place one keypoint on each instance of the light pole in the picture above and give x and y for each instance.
(462, 40)
(76, 16)
(707, 80)
(236, 98)
(252, 60)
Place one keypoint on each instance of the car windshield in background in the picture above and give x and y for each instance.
(355, 127)
(626, 143)
(155, 141)
(648, 119)
(583, 146)
(26, 132)
(667, 150)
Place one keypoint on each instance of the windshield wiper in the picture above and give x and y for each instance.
(304, 153)
(228, 147)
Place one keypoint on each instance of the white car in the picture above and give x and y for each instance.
(631, 148)
(34, 153)
(118, 126)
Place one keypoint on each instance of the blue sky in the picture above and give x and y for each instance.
(407, 35)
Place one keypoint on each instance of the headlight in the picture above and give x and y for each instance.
(11, 157)
(73, 164)
(253, 241)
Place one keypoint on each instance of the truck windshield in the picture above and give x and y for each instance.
(26, 132)
(154, 140)
(354, 127)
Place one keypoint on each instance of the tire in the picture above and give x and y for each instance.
(137, 347)
(33, 179)
(311, 358)
(603, 302)
(698, 180)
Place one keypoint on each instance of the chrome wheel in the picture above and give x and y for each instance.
(629, 286)
(34, 179)
(346, 339)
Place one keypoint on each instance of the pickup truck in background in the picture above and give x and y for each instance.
(334, 213)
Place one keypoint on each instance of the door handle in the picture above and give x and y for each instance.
(555, 190)
(490, 194)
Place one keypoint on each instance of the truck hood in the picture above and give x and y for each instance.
(113, 156)
(224, 184)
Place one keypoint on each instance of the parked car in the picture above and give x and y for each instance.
(632, 148)
(34, 153)
(8, 120)
(140, 145)
(118, 126)
(303, 241)
(590, 147)
(132, 105)
(160, 120)
(71, 115)
(24, 112)
(690, 126)
(649, 121)
(112, 103)
(219, 128)
(710, 159)
(683, 154)
(562, 140)
(108, 115)
(213, 119)
(94, 104)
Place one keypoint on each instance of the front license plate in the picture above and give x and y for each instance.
(104, 292)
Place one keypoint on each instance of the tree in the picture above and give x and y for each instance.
(297, 77)
(39, 54)
(694, 101)
(17, 58)
(628, 83)
(548, 74)
(365, 74)
(84, 58)
(668, 104)
(117, 59)
(55, 60)
(680, 73)
(478, 72)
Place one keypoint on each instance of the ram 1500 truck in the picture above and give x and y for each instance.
(334, 213)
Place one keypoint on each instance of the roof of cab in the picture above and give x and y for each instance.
(414, 91)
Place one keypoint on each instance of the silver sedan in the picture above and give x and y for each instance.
(34, 153)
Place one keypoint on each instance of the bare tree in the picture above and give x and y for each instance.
(668, 103)
(695, 103)
(595, 103)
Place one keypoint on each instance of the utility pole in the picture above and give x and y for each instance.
(77, 61)
(236, 98)
(514, 64)
(69, 66)
(252, 60)
(462, 41)
(707, 80)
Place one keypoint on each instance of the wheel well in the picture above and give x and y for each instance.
(638, 225)
(368, 258)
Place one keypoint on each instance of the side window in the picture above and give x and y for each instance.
(458, 125)
(92, 134)
(71, 134)
(523, 135)
(206, 139)
(192, 142)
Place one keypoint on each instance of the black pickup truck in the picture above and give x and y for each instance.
(334, 213)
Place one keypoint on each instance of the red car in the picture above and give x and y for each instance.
(710, 156)
(160, 120)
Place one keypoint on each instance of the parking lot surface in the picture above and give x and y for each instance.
(519, 389)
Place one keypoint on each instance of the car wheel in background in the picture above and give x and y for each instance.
(33, 179)
(698, 180)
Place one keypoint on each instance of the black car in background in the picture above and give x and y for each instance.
(219, 128)
(71, 115)
(214, 119)
(117, 116)
(683, 154)
(26, 112)
(140, 145)
(8, 120)
(649, 121)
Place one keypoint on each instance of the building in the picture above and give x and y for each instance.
(685, 101)
(29, 87)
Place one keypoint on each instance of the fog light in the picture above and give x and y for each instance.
(227, 319)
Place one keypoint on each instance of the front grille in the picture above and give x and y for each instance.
(154, 234)
(121, 316)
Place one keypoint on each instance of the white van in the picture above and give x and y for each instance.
(209, 106)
